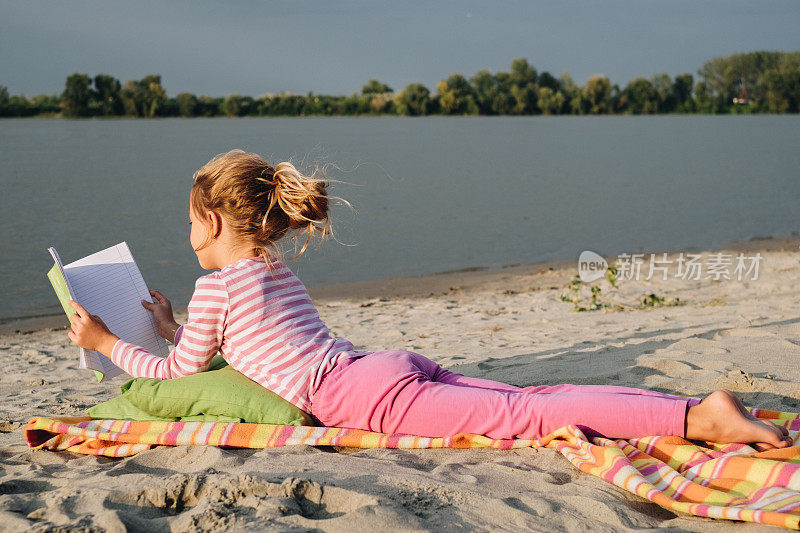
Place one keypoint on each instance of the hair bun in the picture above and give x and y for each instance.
(262, 203)
(304, 199)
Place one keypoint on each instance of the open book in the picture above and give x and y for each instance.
(108, 284)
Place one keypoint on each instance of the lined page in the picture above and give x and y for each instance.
(88, 359)
(109, 284)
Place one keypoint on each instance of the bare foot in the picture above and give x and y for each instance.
(721, 417)
(749, 415)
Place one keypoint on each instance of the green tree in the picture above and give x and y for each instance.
(382, 103)
(771, 80)
(3, 101)
(522, 73)
(45, 104)
(724, 76)
(170, 108)
(132, 96)
(616, 95)
(143, 98)
(76, 95)
(782, 91)
(503, 102)
(234, 105)
(330, 105)
(378, 98)
(702, 98)
(484, 88)
(665, 99)
(285, 104)
(208, 106)
(20, 106)
(374, 86)
(550, 102)
(548, 80)
(523, 87)
(413, 100)
(721, 80)
(525, 99)
(572, 95)
(640, 97)
(187, 104)
(105, 97)
(354, 104)
(154, 94)
(682, 91)
(456, 96)
(264, 105)
(596, 96)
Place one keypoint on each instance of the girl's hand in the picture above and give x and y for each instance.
(89, 332)
(162, 313)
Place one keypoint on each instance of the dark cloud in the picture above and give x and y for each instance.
(256, 47)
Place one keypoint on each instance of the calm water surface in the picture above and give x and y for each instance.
(429, 194)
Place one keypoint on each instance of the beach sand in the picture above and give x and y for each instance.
(508, 325)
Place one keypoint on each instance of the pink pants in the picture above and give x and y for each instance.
(397, 391)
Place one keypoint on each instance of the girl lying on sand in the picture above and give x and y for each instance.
(255, 312)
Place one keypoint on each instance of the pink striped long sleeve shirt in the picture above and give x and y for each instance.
(264, 325)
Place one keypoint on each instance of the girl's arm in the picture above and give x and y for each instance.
(196, 343)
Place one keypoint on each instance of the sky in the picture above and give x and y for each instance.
(253, 47)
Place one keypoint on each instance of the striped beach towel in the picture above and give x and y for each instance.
(731, 481)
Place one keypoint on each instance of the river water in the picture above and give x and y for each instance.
(427, 194)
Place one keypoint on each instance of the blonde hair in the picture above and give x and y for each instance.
(260, 202)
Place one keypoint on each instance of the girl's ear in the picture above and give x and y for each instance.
(214, 220)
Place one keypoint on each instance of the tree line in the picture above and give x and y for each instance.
(755, 82)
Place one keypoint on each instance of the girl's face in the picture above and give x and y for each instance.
(198, 233)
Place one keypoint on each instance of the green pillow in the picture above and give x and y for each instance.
(219, 394)
(120, 408)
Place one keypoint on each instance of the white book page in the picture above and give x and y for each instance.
(109, 284)
(88, 358)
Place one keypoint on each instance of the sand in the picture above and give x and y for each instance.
(509, 325)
